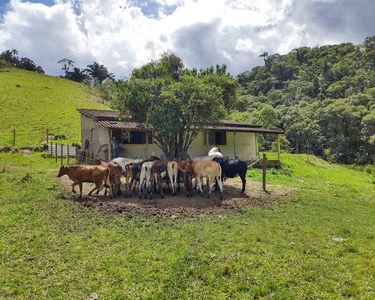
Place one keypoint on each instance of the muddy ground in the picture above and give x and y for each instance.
(180, 206)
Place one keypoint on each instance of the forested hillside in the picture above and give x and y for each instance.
(323, 97)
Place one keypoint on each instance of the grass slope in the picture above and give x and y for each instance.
(319, 244)
(42, 102)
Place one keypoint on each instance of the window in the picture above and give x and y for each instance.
(136, 137)
(217, 137)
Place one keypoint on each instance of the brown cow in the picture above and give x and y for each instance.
(185, 171)
(115, 172)
(211, 170)
(83, 173)
(133, 171)
(158, 172)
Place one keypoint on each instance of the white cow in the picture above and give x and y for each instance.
(123, 162)
(145, 179)
(214, 152)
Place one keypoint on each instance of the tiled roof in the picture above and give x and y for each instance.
(120, 125)
(101, 114)
(239, 124)
(244, 129)
(109, 119)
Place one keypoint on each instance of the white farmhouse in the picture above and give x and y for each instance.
(235, 139)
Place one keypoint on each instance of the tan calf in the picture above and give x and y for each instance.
(211, 170)
(172, 171)
(115, 172)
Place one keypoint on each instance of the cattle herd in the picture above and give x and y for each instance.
(151, 172)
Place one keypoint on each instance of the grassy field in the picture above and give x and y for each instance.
(40, 102)
(318, 244)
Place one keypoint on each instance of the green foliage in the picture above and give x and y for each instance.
(176, 102)
(304, 85)
(25, 63)
(39, 103)
(4, 64)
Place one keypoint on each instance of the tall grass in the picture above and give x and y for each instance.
(317, 244)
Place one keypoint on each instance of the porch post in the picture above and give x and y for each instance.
(278, 147)
(207, 139)
(147, 144)
(110, 145)
(234, 142)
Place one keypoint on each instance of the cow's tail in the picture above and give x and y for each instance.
(107, 182)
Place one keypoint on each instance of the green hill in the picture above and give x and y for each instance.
(31, 103)
(322, 97)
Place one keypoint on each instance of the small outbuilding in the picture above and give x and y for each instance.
(98, 127)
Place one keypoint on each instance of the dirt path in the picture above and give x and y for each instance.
(180, 206)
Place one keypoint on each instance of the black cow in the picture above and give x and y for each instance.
(231, 168)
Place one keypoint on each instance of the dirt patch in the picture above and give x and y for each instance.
(180, 206)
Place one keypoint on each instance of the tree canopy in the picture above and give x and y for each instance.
(324, 96)
(175, 101)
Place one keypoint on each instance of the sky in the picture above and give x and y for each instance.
(126, 34)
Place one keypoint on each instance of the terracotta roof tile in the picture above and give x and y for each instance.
(109, 119)
(101, 114)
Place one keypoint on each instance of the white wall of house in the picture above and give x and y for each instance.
(97, 136)
(243, 145)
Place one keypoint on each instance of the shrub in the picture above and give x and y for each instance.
(5, 149)
(47, 155)
(76, 145)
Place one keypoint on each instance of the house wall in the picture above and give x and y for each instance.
(99, 141)
(245, 146)
(100, 144)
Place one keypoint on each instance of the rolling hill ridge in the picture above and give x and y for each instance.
(31, 103)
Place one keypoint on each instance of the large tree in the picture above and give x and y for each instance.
(178, 103)
(98, 72)
(67, 64)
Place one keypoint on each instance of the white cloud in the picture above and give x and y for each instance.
(123, 34)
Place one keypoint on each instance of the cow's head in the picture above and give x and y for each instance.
(63, 171)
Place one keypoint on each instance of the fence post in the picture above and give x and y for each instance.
(56, 152)
(51, 148)
(47, 136)
(14, 136)
(77, 162)
(67, 155)
(264, 170)
(61, 153)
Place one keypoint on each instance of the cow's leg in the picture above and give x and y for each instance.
(220, 183)
(127, 186)
(80, 190)
(172, 184)
(198, 182)
(130, 187)
(140, 188)
(210, 182)
(243, 179)
(161, 187)
(95, 188)
(73, 185)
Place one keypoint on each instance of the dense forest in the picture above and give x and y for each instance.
(323, 97)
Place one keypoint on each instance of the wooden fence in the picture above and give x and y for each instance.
(61, 152)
